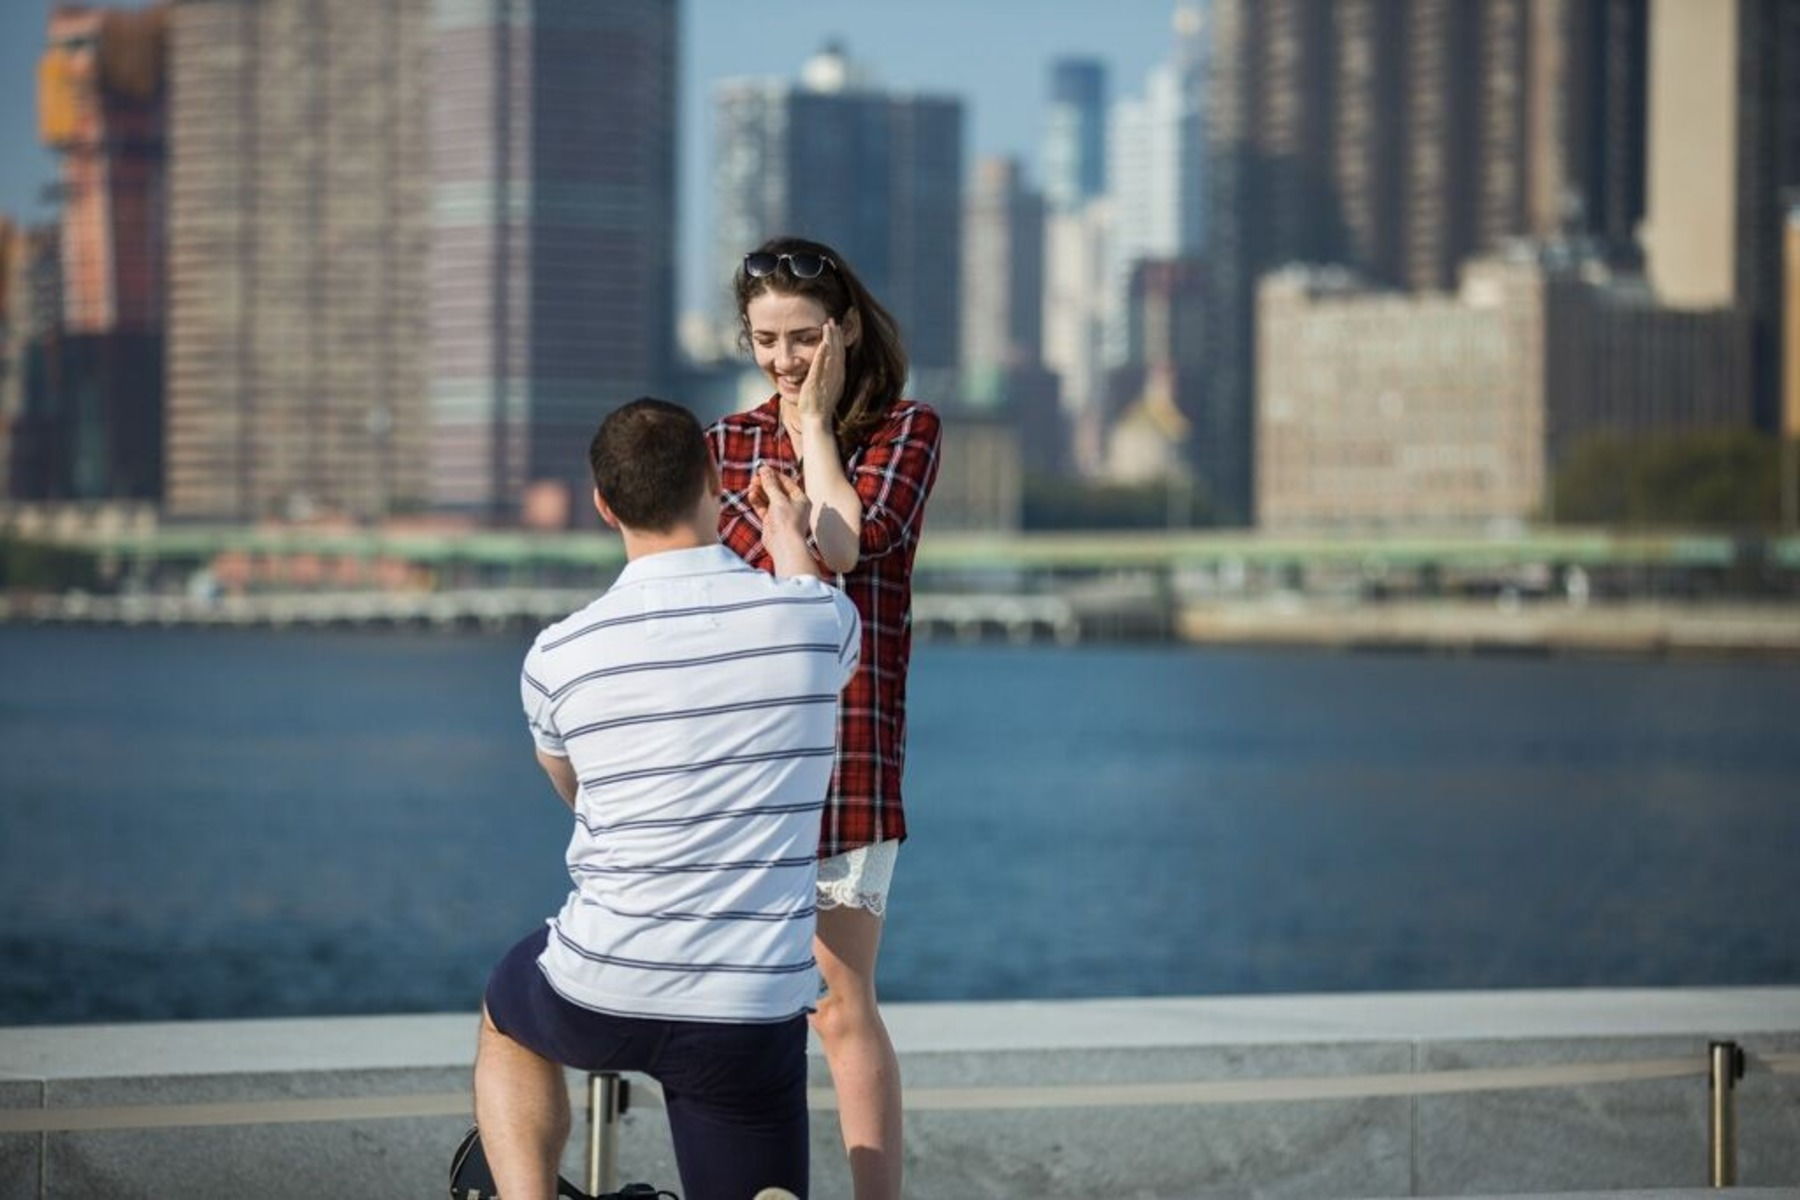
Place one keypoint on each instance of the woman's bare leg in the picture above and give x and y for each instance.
(864, 1069)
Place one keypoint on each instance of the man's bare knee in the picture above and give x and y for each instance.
(498, 1048)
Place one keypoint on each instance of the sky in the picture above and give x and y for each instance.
(993, 53)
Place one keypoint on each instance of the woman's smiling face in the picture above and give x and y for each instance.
(785, 334)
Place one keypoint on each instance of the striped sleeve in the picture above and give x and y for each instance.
(895, 476)
(849, 633)
(540, 713)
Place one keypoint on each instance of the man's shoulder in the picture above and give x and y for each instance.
(731, 595)
(761, 585)
(558, 634)
(800, 607)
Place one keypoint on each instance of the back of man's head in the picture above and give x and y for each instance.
(651, 464)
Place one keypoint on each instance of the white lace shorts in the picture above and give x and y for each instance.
(858, 878)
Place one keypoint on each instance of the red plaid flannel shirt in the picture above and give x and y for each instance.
(892, 473)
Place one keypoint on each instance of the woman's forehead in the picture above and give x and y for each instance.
(781, 310)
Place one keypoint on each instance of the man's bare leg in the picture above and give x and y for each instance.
(864, 1069)
(522, 1109)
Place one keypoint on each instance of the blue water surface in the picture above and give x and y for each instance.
(198, 824)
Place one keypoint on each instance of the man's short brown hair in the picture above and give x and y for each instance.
(650, 463)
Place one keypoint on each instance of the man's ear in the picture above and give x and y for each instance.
(606, 513)
(852, 324)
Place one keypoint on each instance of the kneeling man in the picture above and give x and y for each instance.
(688, 716)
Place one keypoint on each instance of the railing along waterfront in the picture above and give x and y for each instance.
(956, 549)
(964, 616)
(479, 607)
(606, 1098)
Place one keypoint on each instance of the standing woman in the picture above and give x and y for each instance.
(867, 459)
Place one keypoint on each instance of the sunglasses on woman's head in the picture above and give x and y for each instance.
(800, 266)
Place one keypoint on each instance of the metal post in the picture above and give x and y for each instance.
(607, 1098)
(1727, 1069)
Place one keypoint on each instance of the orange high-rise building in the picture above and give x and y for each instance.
(97, 420)
(100, 107)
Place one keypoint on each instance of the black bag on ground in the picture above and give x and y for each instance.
(470, 1178)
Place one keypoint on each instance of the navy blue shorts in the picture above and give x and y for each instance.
(735, 1094)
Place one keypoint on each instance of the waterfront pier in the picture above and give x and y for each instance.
(1550, 592)
(1376, 1095)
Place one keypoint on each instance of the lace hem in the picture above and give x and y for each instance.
(843, 893)
(858, 878)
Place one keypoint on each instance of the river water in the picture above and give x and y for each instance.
(226, 824)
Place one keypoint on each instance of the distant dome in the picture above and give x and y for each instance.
(832, 70)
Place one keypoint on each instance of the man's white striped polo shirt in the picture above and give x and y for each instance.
(697, 701)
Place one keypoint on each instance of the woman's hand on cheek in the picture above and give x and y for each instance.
(824, 384)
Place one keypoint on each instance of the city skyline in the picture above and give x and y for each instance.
(929, 45)
(1394, 139)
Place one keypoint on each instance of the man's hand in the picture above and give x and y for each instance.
(784, 503)
(786, 514)
(757, 497)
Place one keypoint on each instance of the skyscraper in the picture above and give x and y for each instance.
(1075, 323)
(1075, 139)
(1155, 152)
(97, 417)
(297, 261)
(101, 91)
(875, 174)
(1236, 230)
(1003, 278)
(1152, 319)
(1187, 72)
(1401, 137)
(1789, 416)
(1003, 313)
(1724, 154)
(1453, 127)
(1076, 223)
(552, 268)
(32, 458)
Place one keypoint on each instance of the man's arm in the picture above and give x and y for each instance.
(785, 512)
(562, 776)
(540, 715)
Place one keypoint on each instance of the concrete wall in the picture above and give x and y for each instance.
(1646, 1134)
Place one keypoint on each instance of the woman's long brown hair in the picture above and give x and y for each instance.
(874, 368)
